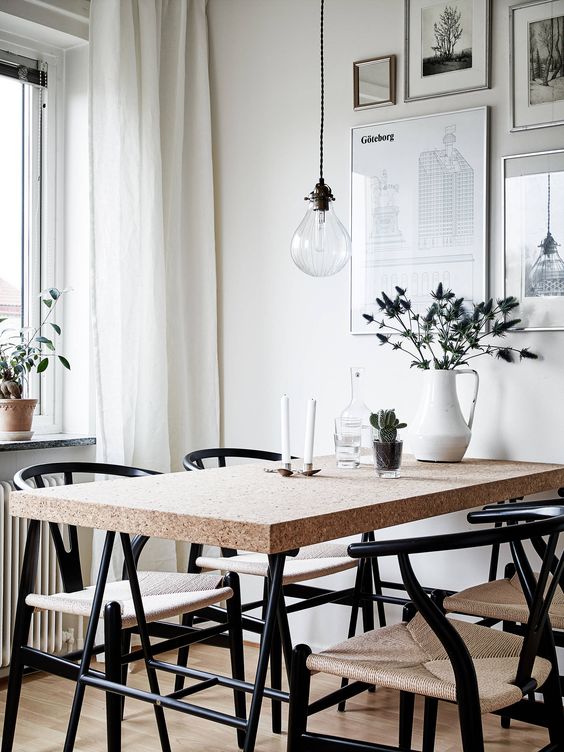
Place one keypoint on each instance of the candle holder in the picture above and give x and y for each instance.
(286, 470)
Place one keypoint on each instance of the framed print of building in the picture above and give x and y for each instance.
(418, 198)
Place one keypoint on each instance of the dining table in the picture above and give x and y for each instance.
(249, 507)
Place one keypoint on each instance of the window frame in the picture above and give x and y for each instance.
(45, 268)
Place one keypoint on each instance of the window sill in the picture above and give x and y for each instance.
(48, 441)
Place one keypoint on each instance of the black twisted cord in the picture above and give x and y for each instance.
(322, 123)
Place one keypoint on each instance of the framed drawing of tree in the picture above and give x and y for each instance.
(447, 47)
(537, 64)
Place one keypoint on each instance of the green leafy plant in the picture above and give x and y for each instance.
(449, 333)
(27, 349)
(387, 425)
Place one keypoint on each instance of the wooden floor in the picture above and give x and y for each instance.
(46, 701)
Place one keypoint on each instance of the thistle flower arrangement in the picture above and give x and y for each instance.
(386, 424)
(448, 334)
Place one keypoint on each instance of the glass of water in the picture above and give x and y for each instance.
(348, 432)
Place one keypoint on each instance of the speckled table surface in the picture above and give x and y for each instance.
(246, 508)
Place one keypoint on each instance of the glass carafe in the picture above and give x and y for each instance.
(358, 409)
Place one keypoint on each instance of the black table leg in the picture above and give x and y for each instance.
(21, 633)
(276, 566)
(72, 727)
(145, 639)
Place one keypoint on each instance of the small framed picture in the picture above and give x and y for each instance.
(533, 192)
(374, 82)
(447, 47)
(537, 64)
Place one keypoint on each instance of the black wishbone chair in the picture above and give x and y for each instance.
(165, 595)
(310, 563)
(483, 670)
(503, 600)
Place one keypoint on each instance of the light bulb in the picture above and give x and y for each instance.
(321, 246)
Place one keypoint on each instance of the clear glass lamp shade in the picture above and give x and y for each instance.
(321, 246)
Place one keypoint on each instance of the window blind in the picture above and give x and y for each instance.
(25, 69)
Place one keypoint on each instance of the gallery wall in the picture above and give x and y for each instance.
(282, 331)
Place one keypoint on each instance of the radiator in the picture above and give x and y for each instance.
(46, 627)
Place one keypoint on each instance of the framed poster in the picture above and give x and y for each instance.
(537, 64)
(418, 209)
(533, 194)
(447, 47)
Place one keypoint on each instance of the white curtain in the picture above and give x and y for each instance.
(153, 256)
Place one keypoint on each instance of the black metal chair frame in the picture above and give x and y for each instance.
(116, 645)
(510, 570)
(538, 637)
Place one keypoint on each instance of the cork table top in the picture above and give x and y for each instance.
(246, 508)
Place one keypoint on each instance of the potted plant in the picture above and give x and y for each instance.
(387, 447)
(440, 342)
(22, 352)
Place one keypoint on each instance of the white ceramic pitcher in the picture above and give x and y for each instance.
(439, 432)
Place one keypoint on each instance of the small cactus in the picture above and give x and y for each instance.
(387, 425)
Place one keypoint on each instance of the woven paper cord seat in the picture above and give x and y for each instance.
(311, 562)
(165, 594)
(502, 599)
(409, 657)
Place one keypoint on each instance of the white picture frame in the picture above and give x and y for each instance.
(403, 227)
(536, 88)
(435, 68)
(527, 222)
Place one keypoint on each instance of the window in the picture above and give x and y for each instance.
(27, 240)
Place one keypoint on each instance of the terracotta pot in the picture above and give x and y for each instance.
(16, 416)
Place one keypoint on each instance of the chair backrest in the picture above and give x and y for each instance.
(524, 523)
(69, 558)
(195, 460)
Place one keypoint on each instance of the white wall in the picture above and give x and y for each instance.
(282, 331)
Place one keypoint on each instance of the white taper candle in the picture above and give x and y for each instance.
(285, 428)
(310, 432)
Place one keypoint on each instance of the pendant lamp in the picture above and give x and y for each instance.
(321, 246)
(547, 273)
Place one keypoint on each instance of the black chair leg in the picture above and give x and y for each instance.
(276, 679)
(188, 619)
(113, 644)
(430, 724)
(407, 702)
(183, 653)
(275, 664)
(354, 616)
(378, 591)
(285, 636)
(21, 634)
(299, 698)
(125, 649)
(553, 703)
(97, 601)
(367, 605)
(236, 649)
(471, 731)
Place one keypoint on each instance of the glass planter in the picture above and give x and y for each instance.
(387, 458)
